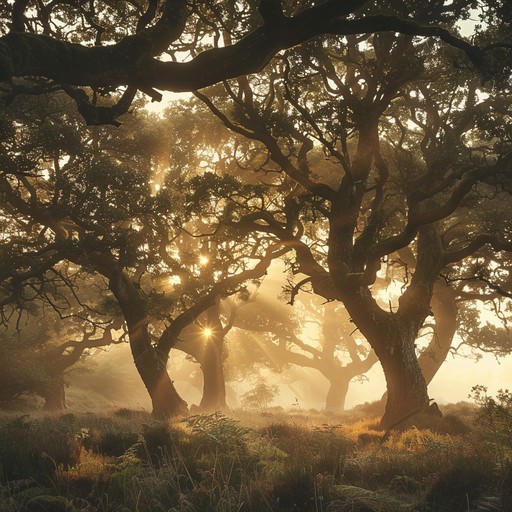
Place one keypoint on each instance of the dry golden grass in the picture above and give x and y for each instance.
(267, 461)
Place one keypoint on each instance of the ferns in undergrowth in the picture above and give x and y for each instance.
(217, 463)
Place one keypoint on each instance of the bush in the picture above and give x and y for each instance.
(458, 489)
(260, 396)
(495, 419)
(36, 449)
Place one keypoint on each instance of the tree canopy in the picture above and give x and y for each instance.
(360, 143)
(175, 45)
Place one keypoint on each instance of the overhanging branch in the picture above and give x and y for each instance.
(131, 62)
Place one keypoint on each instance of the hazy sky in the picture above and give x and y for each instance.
(452, 383)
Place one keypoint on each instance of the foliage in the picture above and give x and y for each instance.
(217, 463)
(259, 396)
(37, 449)
(348, 150)
(495, 419)
(413, 156)
(40, 349)
(118, 215)
(351, 498)
(22, 367)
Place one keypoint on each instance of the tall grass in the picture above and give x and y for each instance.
(265, 462)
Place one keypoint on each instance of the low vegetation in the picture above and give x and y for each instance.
(126, 461)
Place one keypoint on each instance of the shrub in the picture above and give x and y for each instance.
(260, 396)
(459, 489)
(495, 419)
(213, 462)
(349, 498)
(36, 449)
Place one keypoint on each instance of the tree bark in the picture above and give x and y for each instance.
(150, 363)
(406, 386)
(131, 62)
(393, 337)
(393, 334)
(214, 386)
(152, 368)
(445, 310)
(55, 396)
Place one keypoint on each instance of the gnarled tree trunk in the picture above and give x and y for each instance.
(393, 337)
(150, 363)
(393, 334)
(406, 386)
(339, 381)
(152, 368)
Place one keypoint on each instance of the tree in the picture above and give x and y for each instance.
(100, 212)
(40, 348)
(483, 282)
(458, 298)
(204, 340)
(272, 335)
(119, 49)
(406, 141)
(49, 46)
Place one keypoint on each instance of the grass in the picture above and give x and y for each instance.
(271, 461)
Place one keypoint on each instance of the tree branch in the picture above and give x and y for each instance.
(473, 246)
(130, 62)
(170, 335)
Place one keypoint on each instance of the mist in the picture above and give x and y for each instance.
(107, 379)
(255, 256)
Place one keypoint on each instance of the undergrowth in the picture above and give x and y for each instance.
(127, 462)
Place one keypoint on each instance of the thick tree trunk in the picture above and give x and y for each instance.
(337, 393)
(55, 396)
(152, 368)
(208, 351)
(150, 363)
(406, 386)
(214, 387)
(393, 337)
(445, 310)
(393, 334)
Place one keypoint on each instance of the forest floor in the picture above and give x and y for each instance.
(256, 461)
